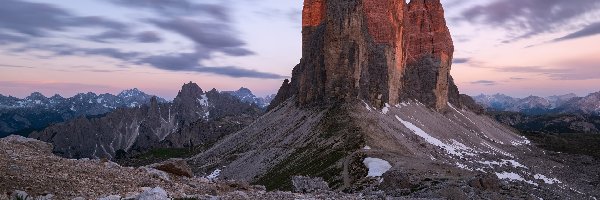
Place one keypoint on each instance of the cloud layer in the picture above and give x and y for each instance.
(527, 18)
(208, 28)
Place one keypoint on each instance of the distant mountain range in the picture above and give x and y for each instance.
(245, 95)
(22, 116)
(193, 118)
(535, 105)
(554, 114)
(35, 112)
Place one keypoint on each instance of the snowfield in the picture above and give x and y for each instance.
(377, 167)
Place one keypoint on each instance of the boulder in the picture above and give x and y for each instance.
(156, 193)
(303, 184)
(177, 167)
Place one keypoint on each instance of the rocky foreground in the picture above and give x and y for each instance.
(29, 169)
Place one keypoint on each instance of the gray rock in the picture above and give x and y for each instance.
(305, 184)
(194, 118)
(156, 193)
(177, 167)
(111, 197)
(18, 194)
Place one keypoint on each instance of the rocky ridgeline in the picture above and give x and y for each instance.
(535, 105)
(194, 118)
(380, 51)
(246, 96)
(29, 170)
(23, 116)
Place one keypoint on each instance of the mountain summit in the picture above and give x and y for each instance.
(377, 51)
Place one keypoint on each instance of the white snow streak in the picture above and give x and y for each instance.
(214, 174)
(546, 179)
(367, 106)
(431, 140)
(203, 100)
(513, 177)
(386, 109)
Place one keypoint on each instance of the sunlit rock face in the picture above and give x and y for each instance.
(379, 51)
(351, 50)
(429, 56)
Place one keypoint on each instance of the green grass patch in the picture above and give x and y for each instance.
(337, 138)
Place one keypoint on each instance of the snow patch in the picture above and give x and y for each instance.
(367, 148)
(214, 175)
(462, 166)
(203, 100)
(513, 177)
(431, 140)
(386, 109)
(367, 106)
(515, 164)
(546, 179)
(377, 167)
(504, 162)
(451, 106)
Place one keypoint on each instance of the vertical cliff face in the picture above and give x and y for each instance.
(429, 55)
(379, 51)
(351, 50)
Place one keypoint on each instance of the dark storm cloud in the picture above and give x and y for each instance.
(69, 50)
(484, 82)
(143, 37)
(191, 62)
(15, 66)
(210, 35)
(178, 7)
(37, 19)
(148, 37)
(526, 18)
(592, 29)
(211, 32)
(460, 60)
(517, 78)
(209, 38)
(8, 38)
(568, 70)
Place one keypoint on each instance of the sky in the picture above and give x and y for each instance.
(515, 47)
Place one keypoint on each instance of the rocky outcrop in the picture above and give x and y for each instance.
(379, 51)
(351, 50)
(282, 95)
(303, 184)
(177, 167)
(36, 112)
(194, 118)
(28, 169)
(429, 55)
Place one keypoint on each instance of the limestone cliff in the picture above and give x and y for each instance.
(379, 51)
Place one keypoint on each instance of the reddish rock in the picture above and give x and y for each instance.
(379, 51)
(429, 55)
(354, 52)
(177, 167)
(313, 12)
(384, 20)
